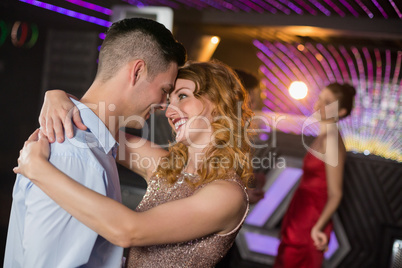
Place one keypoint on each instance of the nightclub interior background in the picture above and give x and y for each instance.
(54, 44)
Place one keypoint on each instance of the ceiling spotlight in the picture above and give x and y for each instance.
(298, 90)
(215, 40)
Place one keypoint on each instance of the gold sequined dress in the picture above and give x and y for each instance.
(206, 251)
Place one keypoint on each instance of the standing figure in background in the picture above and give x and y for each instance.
(307, 224)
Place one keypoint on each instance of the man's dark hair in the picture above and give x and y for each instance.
(139, 38)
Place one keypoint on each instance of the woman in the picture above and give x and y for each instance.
(195, 201)
(307, 223)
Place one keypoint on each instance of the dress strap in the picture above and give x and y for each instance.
(245, 213)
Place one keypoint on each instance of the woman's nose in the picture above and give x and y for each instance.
(170, 110)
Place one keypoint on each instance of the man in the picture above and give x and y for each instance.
(138, 65)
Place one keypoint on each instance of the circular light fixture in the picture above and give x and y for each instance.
(215, 40)
(298, 90)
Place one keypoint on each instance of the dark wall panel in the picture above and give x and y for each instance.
(371, 202)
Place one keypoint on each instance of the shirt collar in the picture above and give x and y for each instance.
(96, 127)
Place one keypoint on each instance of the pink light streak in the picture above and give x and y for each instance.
(311, 10)
(300, 58)
(341, 63)
(368, 12)
(332, 63)
(379, 7)
(273, 3)
(292, 6)
(335, 7)
(387, 67)
(320, 7)
(352, 70)
(316, 64)
(323, 62)
(397, 68)
(396, 8)
(350, 8)
(370, 72)
(91, 6)
(362, 76)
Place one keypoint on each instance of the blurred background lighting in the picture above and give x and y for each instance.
(298, 90)
(215, 40)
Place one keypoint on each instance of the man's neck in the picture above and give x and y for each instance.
(104, 107)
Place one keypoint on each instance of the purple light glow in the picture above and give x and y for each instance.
(242, 6)
(387, 67)
(323, 63)
(332, 246)
(262, 244)
(368, 12)
(166, 3)
(397, 68)
(317, 66)
(272, 96)
(362, 77)
(379, 7)
(311, 10)
(280, 100)
(278, 6)
(306, 62)
(286, 74)
(253, 6)
(335, 7)
(396, 8)
(378, 64)
(286, 58)
(264, 136)
(350, 8)
(285, 98)
(68, 12)
(332, 62)
(227, 5)
(221, 5)
(292, 6)
(370, 71)
(274, 196)
(276, 72)
(320, 7)
(351, 65)
(341, 63)
(91, 6)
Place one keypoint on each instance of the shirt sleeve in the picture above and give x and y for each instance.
(52, 237)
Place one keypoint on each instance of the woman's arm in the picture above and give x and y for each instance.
(59, 113)
(216, 208)
(139, 154)
(334, 165)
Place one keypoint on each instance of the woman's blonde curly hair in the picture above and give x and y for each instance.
(230, 148)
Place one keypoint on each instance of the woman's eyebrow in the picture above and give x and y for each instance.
(175, 92)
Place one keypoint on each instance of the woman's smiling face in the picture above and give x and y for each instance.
(189, 116)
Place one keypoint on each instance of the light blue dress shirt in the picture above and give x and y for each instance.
(41, 234)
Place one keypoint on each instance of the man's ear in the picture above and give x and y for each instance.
(137, 69)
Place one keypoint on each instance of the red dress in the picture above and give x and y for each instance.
(297, 248)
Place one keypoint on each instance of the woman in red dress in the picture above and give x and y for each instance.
(307, 223)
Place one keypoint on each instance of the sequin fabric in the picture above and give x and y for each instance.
(203, 252)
